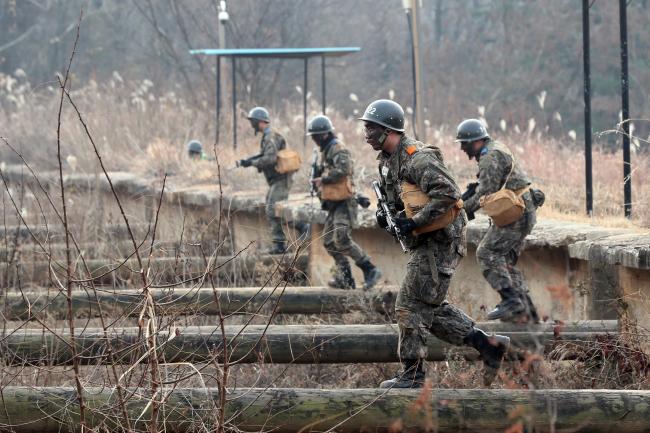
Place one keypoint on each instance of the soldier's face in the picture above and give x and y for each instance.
(372, 132)
(471, 148)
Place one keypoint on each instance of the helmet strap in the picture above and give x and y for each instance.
(383, 136)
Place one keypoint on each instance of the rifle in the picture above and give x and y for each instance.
(251, 159)
(470, 191)
(314, 173)
(390, 219)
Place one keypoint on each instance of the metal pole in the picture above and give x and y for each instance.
(587, 97)
(627, 172)
(417, 55)
(234, 103)
(322, 73)
(304, 103)
(218, 98)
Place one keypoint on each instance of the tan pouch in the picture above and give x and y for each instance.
(415, 199)
(339, 191)
(504, 206)
(288, 161)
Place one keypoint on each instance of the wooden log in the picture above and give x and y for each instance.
(303, 344)
(56, 232)
(285, 410)
(163, 270)
(184, 300)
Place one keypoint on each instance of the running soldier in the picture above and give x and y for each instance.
(334, 181)
(499, 250)
(418, 188)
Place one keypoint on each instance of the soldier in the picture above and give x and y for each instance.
(195, 149)
(334, 181)
(416, 182)
(279, 184)
(499, 250)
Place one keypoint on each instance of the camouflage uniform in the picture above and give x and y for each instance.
(421, 307)
(499, 250)
(336, 163)
(279, 184)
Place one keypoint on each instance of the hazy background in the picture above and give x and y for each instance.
(501, 54)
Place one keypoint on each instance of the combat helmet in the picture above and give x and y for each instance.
(320, 125)
(259, 113)
(386, 113)
(471, 130)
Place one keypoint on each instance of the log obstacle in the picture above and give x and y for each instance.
(57, 232)
(205, 301)
(284, 410)
(162, 270)
(301, 344)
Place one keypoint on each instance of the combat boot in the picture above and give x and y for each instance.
(510, 307)
(492, 349)
(343, 278)
(410, 376)
(371, 274)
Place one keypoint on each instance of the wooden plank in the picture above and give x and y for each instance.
(303, 344)
(55, 409)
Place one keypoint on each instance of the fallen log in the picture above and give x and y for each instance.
(204, 301)
(302, 344)
(162, 270)
(55, 409)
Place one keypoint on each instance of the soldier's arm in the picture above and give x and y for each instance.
(493, 167)
(269, 153)
(342, 166)
(429, 174)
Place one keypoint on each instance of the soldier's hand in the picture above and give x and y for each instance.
(405, 225)
(363, 201)
(245, 163)
(381, 218)
(470, 215)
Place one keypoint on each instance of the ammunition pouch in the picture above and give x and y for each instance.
(337, 191)
(415, 199)
(288, 161)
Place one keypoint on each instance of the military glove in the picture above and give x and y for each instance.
(405, 225)
(471, 190)
(470, 215)
(245, 163)
(381, 218)
(363, 201)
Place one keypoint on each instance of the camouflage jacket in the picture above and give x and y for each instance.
(494, 165)
(271, 143)
(422, 165)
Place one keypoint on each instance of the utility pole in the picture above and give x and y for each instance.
(221, 29)
(412, 13)
(625, 109)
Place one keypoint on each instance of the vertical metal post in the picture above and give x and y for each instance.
(218, 99)
(627, 172)
(234, 103)
(419, 106)
(587, 96)
(322, 74)
(304, 103)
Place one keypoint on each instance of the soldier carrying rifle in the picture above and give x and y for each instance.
(424, 204)
(333, 181)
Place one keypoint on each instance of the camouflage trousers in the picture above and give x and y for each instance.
(421, 308)
(337, 233)
(278, 191)
(499, 250)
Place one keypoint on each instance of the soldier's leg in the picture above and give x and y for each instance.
(517, 277)
(278, 191)
(343, 275)
(494, 258)
(413, 329)
(342, 222)
(449, 323)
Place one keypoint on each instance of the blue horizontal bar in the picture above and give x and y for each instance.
(277, 52)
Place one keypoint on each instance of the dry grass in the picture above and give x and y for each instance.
(144, 129)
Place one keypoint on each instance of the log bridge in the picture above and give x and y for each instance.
(301, 344)
(55, 409)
